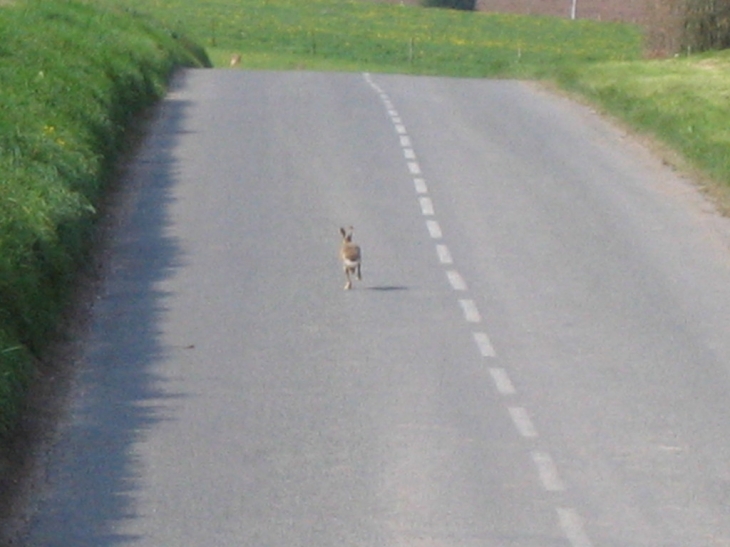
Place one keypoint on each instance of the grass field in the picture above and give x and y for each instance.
(358, 35)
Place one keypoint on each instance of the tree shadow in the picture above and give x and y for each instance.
(92, 472)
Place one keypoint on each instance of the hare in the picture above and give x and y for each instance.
(235, 60)
(350, 254)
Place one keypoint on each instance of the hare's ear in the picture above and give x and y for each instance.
(343, 232)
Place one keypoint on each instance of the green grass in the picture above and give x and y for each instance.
(72, 77)
(372, 36)
(683, 102)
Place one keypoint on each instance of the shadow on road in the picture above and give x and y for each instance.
(387, 288)
(93, 471)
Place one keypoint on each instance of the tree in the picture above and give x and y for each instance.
(706, 24)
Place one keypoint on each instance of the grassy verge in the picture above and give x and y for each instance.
(72, 76)
(373, 36)
(683, 102)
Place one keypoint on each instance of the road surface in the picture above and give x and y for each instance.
(537, 355)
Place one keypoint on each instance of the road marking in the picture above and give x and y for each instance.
(434, 229)
(572, 526)
(426, 206)
(502, 381)
(522, 422)
(471, 313)
(547, 471)
(444, 254)
(457, 282)
(570, 521)
(484, 344)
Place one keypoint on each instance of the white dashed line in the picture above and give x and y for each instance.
(570, 521)
(426, 206)
(434, 229)
(522, 421)
(457, 282)
(484, 344)
(502, 381)
(420, 185)
(471, 313)
(572, 526)
(444, 254)
(547, 471)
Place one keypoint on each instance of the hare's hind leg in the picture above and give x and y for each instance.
(348, 285)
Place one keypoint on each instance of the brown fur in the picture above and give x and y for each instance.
(351, 257)
(235, 60)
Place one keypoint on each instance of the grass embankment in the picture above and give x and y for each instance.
(72, 77)
(378, 37)
(682, 102)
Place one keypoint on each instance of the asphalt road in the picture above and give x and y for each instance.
(538, 354)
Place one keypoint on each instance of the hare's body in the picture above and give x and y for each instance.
(351, 257)
(235, 60)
